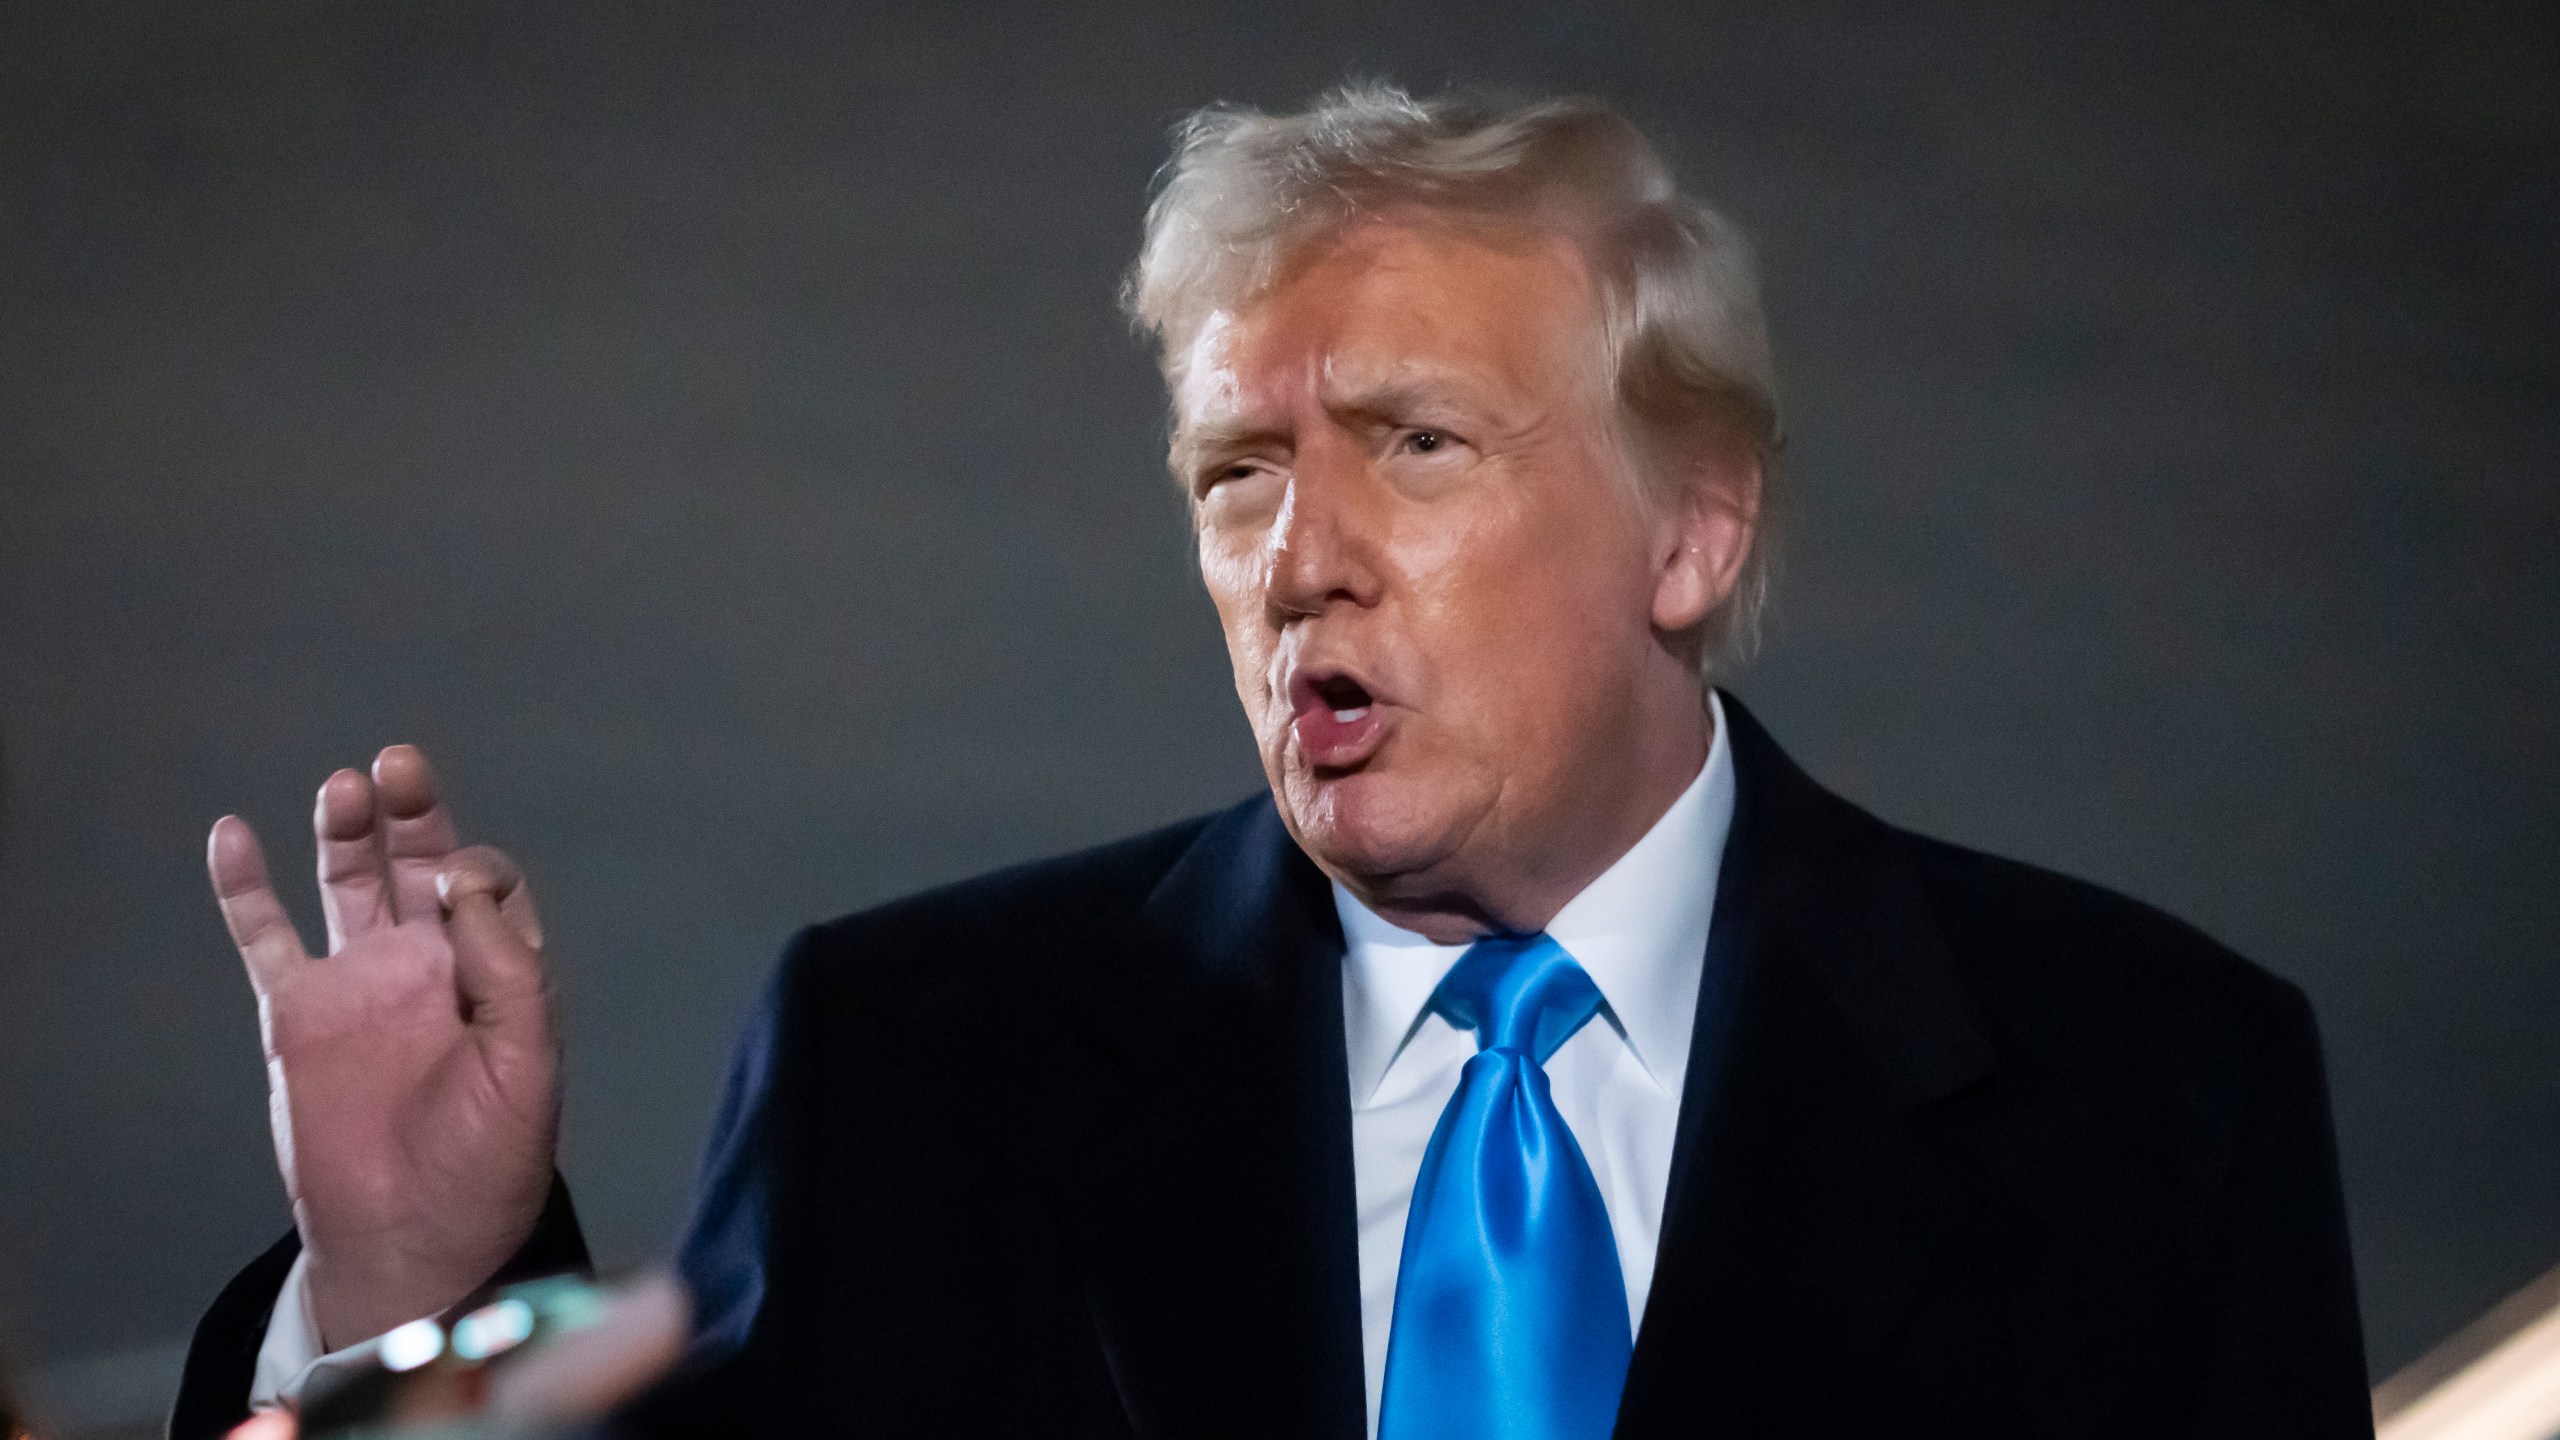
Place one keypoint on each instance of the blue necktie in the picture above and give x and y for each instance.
(1511, 1314)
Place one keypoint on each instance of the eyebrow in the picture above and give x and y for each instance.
(1402, 388)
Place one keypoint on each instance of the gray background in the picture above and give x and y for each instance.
(710, 433)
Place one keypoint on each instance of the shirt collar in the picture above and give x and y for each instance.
(1639, 931)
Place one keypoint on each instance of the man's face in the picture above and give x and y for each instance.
(1439, 589)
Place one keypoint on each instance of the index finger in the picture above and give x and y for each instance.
(250, 910)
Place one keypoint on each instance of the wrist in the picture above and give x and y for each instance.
(355, 1298)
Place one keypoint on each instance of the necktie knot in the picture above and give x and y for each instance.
(1521, 993)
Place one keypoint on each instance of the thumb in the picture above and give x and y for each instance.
(497, 942)
(481, 869)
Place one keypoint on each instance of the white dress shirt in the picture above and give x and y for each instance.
(1640, 931)
(290, 1360)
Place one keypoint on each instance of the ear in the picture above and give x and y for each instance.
(1704, 530)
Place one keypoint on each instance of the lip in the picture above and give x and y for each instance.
(1332, 734)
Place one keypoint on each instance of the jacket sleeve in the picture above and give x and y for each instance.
(736, 1258)
(2284, 1343)
(222, 1360)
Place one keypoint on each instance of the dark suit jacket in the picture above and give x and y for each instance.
(1966, 1148)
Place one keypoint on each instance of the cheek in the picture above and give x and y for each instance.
(1517, 607)
(1232, 578)
(1226, 575)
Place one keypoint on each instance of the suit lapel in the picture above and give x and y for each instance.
(1815, 1183)
(1203, 1151)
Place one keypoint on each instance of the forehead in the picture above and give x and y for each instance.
(1392, 305)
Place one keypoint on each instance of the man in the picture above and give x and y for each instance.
(1544, 1056)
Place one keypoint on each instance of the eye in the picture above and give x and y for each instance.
(1211, 477)
(1237, 488)
(1423, 442)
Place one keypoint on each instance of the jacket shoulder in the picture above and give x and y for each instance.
(1009, 934)
(2054, 961)
(2086, 976)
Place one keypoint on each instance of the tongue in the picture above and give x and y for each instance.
(1334, 737)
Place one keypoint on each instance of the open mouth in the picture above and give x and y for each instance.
(1337, 720)
(1347, 698)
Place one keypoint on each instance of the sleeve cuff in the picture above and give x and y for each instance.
(290, 1359)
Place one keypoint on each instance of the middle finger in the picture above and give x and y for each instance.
(417, 829)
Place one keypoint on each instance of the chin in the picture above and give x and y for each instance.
(1368, 825)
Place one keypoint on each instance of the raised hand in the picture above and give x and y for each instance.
(413, 1073)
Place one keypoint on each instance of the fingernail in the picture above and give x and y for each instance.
(444, 885)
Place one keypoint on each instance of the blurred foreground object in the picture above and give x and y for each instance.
(2498, 1378)
(533, 1360)
(11, 1427)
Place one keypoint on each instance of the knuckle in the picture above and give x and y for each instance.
(476, 871)
(494, 863)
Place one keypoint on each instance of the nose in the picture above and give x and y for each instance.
(1325, 540)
